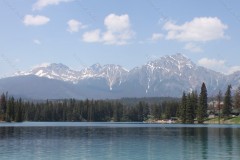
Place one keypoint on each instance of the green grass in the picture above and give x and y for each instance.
(213, 120)
(235, 120)
(232, 120)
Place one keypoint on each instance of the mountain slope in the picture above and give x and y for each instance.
(54, 71)
(171, 75)
(166, 76)
(35, 87)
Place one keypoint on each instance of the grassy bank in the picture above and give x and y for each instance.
(232, 120)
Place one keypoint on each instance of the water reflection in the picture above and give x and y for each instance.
(210, 143)
(91, 143)
(228, 137)
(202, 134)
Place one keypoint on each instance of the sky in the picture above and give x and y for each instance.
(80, 33)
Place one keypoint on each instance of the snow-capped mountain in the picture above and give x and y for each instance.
(113, 74)
(166, 76)
(171, 75)
(53, 71)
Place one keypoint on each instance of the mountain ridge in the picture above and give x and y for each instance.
(169, 75)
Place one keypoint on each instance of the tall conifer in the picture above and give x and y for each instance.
(227, 102)
(202, 106)
(237, 100)
(183, 108)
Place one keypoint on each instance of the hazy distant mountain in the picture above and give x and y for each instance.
(166, 76)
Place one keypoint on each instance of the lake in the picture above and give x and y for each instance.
(117, 141)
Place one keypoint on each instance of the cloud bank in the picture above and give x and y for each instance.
(118, 31)
(200, 29)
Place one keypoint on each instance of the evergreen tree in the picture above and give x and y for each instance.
(183, 108)
(219, 100)
(237, 100)
(3, 107)
(227, 102)
(202, 106)
(18, 111)
(190, 108)
(10, 110)
(194, 97)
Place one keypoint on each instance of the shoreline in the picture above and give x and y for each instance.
(232, 120)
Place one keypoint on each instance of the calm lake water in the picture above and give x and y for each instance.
(113, 141)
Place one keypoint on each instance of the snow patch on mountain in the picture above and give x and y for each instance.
(113, 74)
(165, 76)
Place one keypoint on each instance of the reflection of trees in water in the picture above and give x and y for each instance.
(195, 143)
(6, 132)
(188, 139)
(228, 137)
(203, 138)
(210, 143)
(229, 143)
(236, 137)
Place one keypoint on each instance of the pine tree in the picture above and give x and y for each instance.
(202, 106)
(237, 100)
(194, 97)
(227, 102)
(10, 110)
(183, 108)
(18, 111)
(190, 108)
(3, 107)
(219, 100)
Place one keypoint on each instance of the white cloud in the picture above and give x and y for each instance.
(45, 64)
(92, 36)
(218, 65)
(200, 29)
(192, 47)
(75, 26)
(233, 69)
(157, 36)
(40, 4)
(115, 23)
(210, 63)
(35, 20)
(118, 31)
(36, 41)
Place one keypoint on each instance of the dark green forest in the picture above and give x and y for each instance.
(84, 110)
(191, 108)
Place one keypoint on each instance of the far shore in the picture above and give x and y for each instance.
(232, 120)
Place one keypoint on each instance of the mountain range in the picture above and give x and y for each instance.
(167, 76)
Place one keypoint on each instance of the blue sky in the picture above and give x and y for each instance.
(80, 33)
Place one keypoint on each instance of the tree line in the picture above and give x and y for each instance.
(83, 110)
(190, 109)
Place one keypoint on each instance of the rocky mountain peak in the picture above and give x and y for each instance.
(169, 75)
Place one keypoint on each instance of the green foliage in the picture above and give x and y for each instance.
(19, 111)
(202, 105)
(84, 110)
(227, 107)
(10, 113)
(3, 106)
(237, 99)
(183, 108)
(190, 105)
